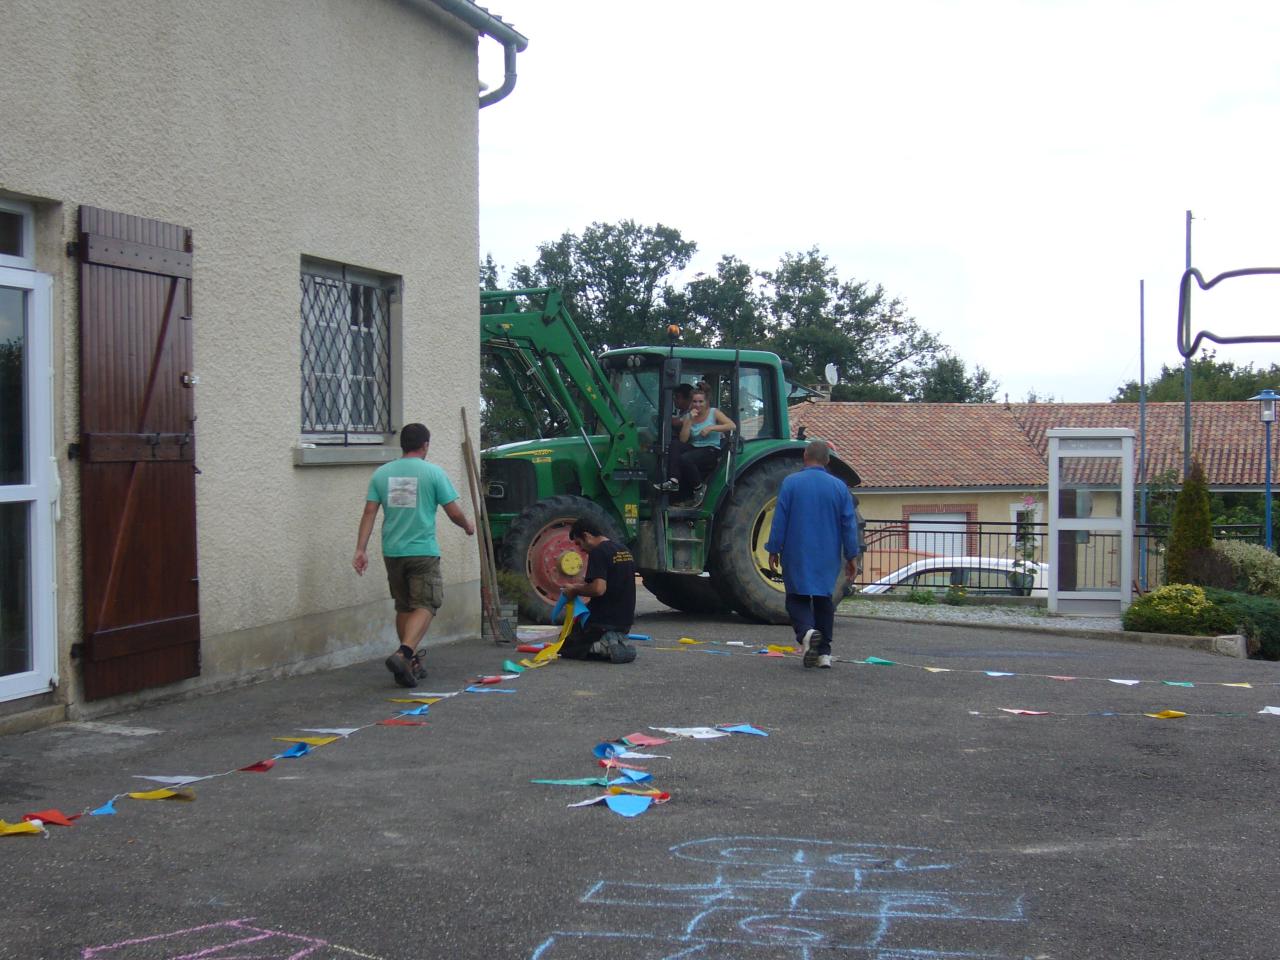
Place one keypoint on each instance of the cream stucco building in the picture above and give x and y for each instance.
(289, 191)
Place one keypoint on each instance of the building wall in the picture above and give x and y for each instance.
(337, 129)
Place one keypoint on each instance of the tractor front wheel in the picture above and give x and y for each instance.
(538, 547)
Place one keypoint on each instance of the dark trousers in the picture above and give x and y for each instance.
(696, 466)
(812, 613)
(577, 645)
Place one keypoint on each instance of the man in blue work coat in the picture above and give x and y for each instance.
(814, 526)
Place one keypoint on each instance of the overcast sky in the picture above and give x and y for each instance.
(1009, 170)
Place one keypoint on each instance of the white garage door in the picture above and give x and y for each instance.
(938, 534)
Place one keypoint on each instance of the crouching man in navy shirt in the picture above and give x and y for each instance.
(609, 587)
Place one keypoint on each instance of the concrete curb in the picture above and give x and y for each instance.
(1231, 645)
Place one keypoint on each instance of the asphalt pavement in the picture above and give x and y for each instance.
(892, 812)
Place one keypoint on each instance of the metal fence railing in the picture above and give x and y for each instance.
(890, 546)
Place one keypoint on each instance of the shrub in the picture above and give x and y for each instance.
(1192, 527)
(1256, 569)
(1178, 608)
(1206, 567)
(955, 595)
(1257, 618)
(924, 597)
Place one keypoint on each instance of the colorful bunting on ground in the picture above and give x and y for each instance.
(693, 733)
(1166, 715)
(511, 667)
(309, 741)
(262, 766)
(297, 750)
(644, 740)
(475, 689)
(742, 728)
(878, 662)
(56, 817)
(336, 731)
(1025, 713)
(1274, 711)
(106, 810)
(180, 794)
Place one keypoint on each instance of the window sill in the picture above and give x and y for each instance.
(322, 455)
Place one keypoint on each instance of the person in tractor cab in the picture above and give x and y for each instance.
(702, 433)
(609, 587)
(681, 400)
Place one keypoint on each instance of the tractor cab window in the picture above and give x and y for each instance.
(756, 417)
(637, 390)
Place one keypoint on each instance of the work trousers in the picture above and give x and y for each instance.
(812, 613)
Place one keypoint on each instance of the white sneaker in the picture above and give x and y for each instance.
(824, 661)
(807, 644)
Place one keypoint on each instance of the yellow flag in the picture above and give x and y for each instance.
(317, 741)
(775, 648)
(690, 641)
(1166, 715)
(1247, 686)
(427, 700)
(938, 669)
(532, 664)
(23, 826)
(638, 791)
(164, 794)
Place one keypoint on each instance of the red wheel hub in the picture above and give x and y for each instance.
(553, 561)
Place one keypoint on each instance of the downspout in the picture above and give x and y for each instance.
(489, 25)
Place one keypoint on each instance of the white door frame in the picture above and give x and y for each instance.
(41, 489)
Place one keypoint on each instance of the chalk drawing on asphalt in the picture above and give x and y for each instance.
(794, 899)
(226, 940)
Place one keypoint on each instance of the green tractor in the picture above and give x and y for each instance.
(603, 430)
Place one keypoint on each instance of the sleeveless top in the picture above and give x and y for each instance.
(705, 439)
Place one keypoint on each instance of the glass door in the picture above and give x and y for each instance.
(28, 649)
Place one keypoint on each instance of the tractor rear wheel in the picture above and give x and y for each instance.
(742, 573)
(684, 592)
(538, 547)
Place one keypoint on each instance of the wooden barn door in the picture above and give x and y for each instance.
(137, 453)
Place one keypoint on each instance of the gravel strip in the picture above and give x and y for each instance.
(1005, 616)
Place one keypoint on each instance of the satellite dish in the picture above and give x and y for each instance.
(831, 373)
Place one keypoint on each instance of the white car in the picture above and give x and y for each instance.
(979, 575)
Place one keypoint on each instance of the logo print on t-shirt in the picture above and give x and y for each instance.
(402, 491)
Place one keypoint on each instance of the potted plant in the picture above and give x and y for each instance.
(1023, 577)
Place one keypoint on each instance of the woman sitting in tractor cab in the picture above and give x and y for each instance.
(701, 433)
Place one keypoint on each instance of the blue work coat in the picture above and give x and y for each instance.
(814, 529)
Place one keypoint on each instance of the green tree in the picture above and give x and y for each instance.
(947, 381)
(1211, 379)
(1192, 529)
(866, 392)
(613, 278)
(721, 310)
(820, 319)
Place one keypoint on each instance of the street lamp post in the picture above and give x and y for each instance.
(1267, 413)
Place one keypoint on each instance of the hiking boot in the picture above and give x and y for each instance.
(419, 671)
(619, 650)
(401, 669)
(824, 661)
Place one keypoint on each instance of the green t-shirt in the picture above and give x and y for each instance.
(410, 489)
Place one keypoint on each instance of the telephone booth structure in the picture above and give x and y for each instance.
(1090, 520)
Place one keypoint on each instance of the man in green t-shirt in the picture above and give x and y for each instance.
(409, 490)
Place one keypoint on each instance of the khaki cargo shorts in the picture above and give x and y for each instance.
(415, 583)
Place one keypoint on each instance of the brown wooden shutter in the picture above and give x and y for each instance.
(137, 449)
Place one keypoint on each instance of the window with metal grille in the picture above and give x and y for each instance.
(346, 353)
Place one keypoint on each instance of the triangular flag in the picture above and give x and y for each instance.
(742, 728)
(659, 796)
(427, 700)
(530, 647)
(417, 711)
(1026, 713)
(511, 667)
(627, 805)
(56, 817)
(1063, 678)
(297, 750)
(21, 827)
(771, 653)
(488, 681)
(1274, 711)
(615, 764)
(778, 648)
(310, 741)
(489, 690)
(162, 795)
(696, 733)
(644, 740)
(532, 664)
(1177, 683)
(997, 673)
(1166, 715)
(606, 750)
(690, 641)
(336, 731)
(878, 662)
(552, 650)
(171, 781)
(938, 669)
(262, 766)
(577, 782)
(1127, 683)
(106, 810)
(636, 776)
(557, 612)
(1247, 686)
(588, 803)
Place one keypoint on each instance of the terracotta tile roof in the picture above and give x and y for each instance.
(998, 445)
(926, 444)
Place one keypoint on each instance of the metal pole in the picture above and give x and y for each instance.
(1186, 383)
(1268, 510)
(1142, 430)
